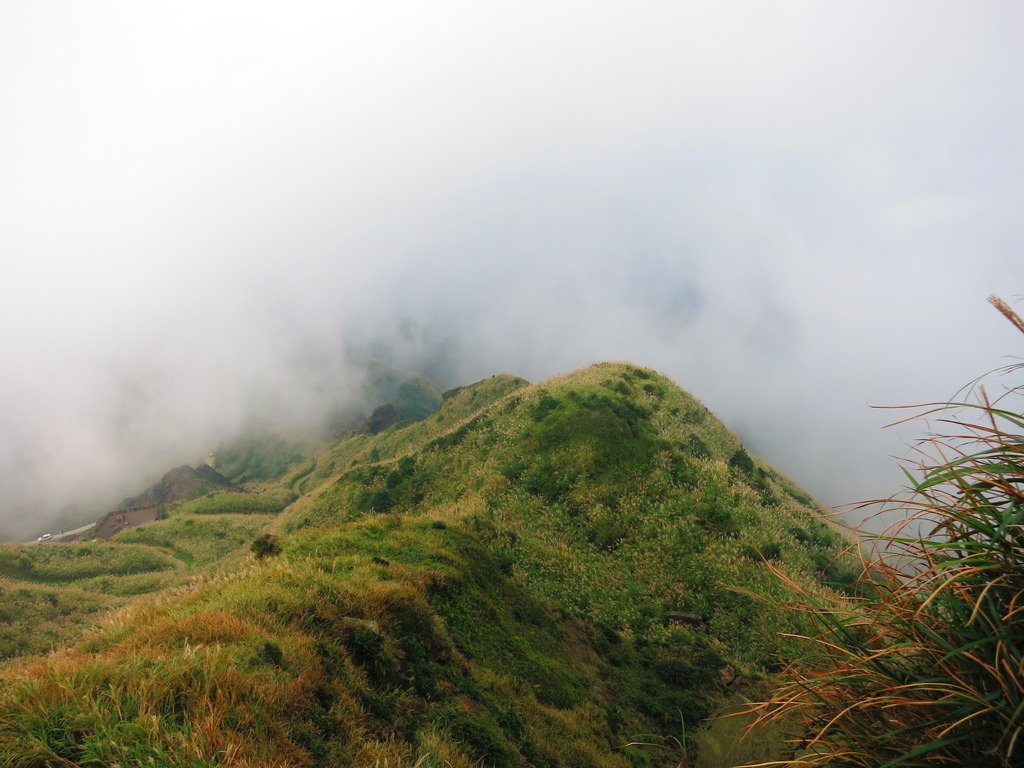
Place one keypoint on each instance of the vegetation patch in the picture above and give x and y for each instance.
(266, 502)
(259, 456)
(67, 563)
(198, 540)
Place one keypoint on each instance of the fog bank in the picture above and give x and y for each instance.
(794, 209)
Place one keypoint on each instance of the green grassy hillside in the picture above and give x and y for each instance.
(51, 593)
(259, 455)
(533, 575)
(262, 453)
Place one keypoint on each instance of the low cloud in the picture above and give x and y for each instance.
(794, 210)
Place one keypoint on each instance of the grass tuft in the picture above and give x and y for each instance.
(927, 667)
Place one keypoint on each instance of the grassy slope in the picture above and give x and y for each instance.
(614, 494)
(487, 586)
(414, 396)
(49, 594)
(263, 453)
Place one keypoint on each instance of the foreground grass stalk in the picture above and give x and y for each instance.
(926, 667)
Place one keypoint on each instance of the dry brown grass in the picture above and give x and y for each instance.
(927, 668)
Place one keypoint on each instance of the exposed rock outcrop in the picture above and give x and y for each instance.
(382, 417)
(180, 483)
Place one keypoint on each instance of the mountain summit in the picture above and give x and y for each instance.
(531, 575)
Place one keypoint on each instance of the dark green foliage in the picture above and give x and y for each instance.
(839, 572)
(69, 563)
(393, 479)
(455, 437)
(545, 481)
(843, 576)
(673, 673)
(622, 388)
(378, 501)
(741, 460)
(616, 431)
(197, 540)
(756, 476)
(366, 645)
(684, 470)
(545, 404)
(720, 517)
(608, 529)
(633, 373)
(384, 490)
(697, 448)
(479, 734)
(770, 551)
(514, 470)
(266, 545)
(414, 396)
(495, 623)
(799, 495)
(695, 414)
(419, 669)
(653, 389)
(818, 534)
(273, 654)
(416, 400)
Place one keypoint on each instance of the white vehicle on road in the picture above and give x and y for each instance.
(45, 537)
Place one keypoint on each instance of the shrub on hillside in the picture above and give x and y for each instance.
(266, 545)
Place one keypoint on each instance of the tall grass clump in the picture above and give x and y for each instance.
(926, 668)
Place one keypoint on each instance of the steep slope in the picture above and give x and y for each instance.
(49, 593)
(611, 477)
(414, 396)
(534, 575)
(264, 453)
(260, 454)
(179, 484)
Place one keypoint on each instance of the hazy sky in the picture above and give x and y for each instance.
(794, 209)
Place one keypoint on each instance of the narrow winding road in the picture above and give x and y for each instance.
(67, 535)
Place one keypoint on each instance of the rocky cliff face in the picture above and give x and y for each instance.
(180, 483)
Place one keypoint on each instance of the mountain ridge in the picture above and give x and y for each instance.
(493, 584)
